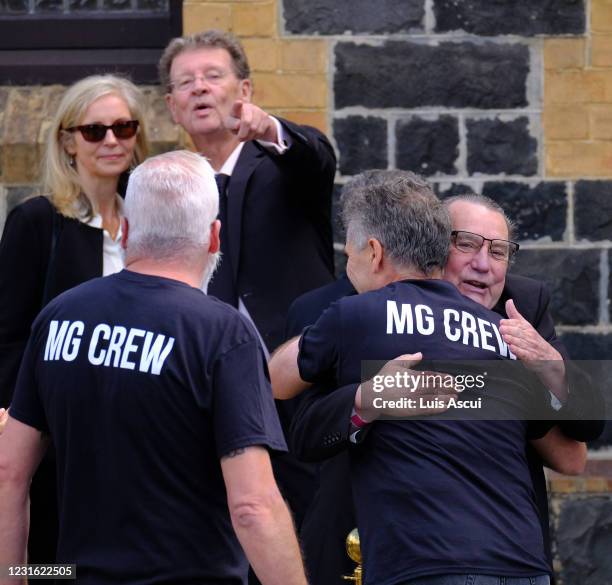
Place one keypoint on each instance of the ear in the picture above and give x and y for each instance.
(171, 106)
(246, 90)
(67, 142)
(214, 244)
(125, 228)
(377, 254)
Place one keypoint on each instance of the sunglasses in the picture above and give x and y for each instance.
(97, 132)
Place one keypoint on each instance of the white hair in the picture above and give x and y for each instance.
(171, 202)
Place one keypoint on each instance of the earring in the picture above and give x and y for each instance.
(72, 161)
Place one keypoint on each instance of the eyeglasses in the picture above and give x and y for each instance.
(187, 83)
(97, 132)
(469, 243)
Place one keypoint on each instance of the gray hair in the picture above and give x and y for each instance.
(208, 39)
(401, 211)
(486, 202)
(171, 202)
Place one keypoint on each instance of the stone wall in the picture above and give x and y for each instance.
(25, 114)
(290, 75)
(511, 99)
(581, 520)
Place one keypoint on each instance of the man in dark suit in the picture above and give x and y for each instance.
(276, 180)
(321, 427)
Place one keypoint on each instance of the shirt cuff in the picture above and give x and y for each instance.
(284, 140)
(555, 403)
(357, 428)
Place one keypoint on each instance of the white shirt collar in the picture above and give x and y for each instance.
(228, 166)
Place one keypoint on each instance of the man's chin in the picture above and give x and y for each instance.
(206, 124)
(480, 296)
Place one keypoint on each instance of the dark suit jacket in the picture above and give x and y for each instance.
(299, 480)
(280, 238)
(29, 278)
(532, 299)
(25, 250)
(320, 431)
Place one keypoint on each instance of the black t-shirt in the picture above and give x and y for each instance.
(144, 383)
(432, 496)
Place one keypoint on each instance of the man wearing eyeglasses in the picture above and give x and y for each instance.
(477, 264)
(275, 179)
(436, 500)
(275, 183)
(479, 257)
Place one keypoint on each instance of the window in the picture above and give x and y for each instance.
(60, 41)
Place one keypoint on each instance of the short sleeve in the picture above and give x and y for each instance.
(27, 406)
(318, 356)
(243, 408)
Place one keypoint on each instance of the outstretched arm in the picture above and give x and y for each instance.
(284, 372)
(250, 122)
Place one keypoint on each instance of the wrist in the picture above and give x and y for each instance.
(357, 421)
(363, 416)
(271, 133)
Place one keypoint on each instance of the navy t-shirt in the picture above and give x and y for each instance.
(432, 496)
(144, 383)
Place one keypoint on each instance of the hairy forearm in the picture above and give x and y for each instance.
(267, 535)
(14, 522)
(21, 449)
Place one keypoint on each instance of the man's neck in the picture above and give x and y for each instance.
(216, 149)
(392, 274)
(167, 269)
(414, 274)
(397, 275)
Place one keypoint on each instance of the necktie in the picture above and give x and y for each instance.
(222, 283)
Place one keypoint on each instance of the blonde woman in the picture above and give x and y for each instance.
(67, 236)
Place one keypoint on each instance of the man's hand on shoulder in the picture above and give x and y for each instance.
(250, 122)
(524, 341)
(396, 383)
